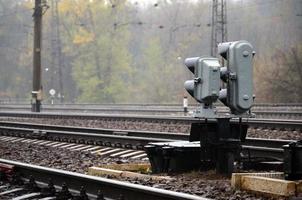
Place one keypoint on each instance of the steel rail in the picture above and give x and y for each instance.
(149, 104)
(142, 108)
(108, 139)
(85, 130)
(253, 122)
(265, 148)
(275, 110)
(268, 143)
(255, 146)
(110, 188)
(124, 132)
(263, 152)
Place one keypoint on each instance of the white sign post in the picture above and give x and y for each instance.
(52, 93)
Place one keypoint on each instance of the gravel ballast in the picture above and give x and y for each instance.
(205, 184)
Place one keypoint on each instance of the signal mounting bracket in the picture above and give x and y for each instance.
(205, 111)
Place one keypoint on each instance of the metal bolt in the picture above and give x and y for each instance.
(197, 80)
(232, 76)
(245, 53)
(246, 97)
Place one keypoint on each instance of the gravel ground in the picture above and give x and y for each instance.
(108, 123)
(152, 126)
(274, 134)
(205, 184)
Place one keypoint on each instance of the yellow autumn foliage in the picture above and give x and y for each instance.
(28, 4)
(77, 7)
(65, 6)
(83, 37)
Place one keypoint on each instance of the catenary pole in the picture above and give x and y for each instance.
(37, 72)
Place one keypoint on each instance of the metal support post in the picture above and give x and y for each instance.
(37, 73)
(220, 143)
(225, 147)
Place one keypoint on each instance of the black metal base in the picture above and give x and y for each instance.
(174, 156)
(220, 142)
(36, 106)
(261, 165)
(293, 161)
(212, 145)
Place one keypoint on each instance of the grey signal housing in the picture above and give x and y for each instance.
(191, 62)
(206, 84)
(239, 57)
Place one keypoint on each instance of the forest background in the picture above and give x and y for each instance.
(119, 51)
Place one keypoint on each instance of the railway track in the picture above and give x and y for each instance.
(261, 111)
(257, 106)
(126, 152)
(282, 124)
(20, 181)
(121, 140)
(124, 144)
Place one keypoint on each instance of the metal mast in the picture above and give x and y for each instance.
(37, 73)
(57, 62)
(219, 24)
(53, 47)
(59, 51)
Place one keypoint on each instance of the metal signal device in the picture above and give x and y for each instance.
(214, 142)
(220, 140)
(237, 75)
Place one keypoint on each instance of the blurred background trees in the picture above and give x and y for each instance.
(119, 51)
